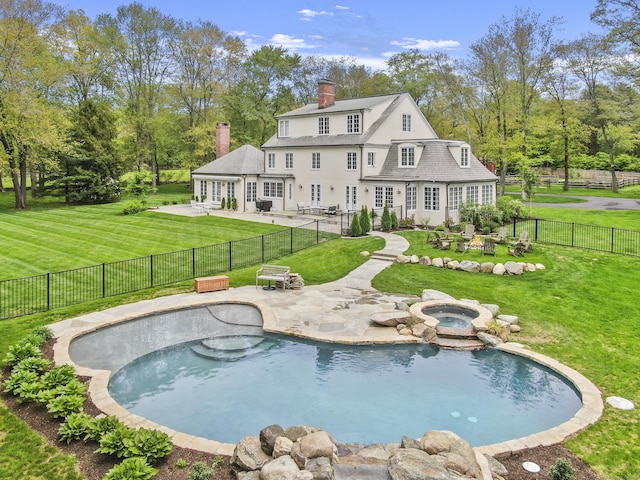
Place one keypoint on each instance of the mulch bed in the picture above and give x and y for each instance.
(94, 465)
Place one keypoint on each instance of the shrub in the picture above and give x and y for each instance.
(149, 444)
(64, 405)
(15, 382)
(201, 471)
(562, 470)
(58, 376)
(21, 351)
(135, 468)
(40, 336)
(234, 203)
(113, 441)
(355, 230)
(34, 364)
(499, 330)
(101, 426)
(134, 206)
(181, 463)
(510, 208)
(75, 427)
(394, 220)
(386, 219)
(407, 222)
(365, 220)
(223, 203)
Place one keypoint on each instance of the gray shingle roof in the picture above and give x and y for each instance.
(436, 164)
(345, 105)
(246, 160)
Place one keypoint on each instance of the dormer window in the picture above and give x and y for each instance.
(323, 126)
(353, 123)
(406, 122)
(283, 128)
(464, 156)
(407, 156)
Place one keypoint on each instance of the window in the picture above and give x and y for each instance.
(412, 194)
(315, 161)
(464, 157)
(455, 198)
(290, 191)
(271, 160)
(371, 159)
(406, 123)
(352, 161)
(407, 157)
(252, 190)
(472, 193)
(231, 189)
(216, 192)
(203, 190)
(432, 198)
(272, 189)
(353, 123)
(288, 160)
(283, 128)
(323, 126)
(487, 193)
(383, 195)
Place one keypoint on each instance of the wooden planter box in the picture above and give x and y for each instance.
(212, 284)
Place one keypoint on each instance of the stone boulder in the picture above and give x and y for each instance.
(298, 431)
(282, 446)
(488, 339)
(403, 259)
(320, 468)
(437, 262)
(530, 267)
(268, 436)
(318, 444)
(414, 259)
(413, 464)
(510, 319)
(426, 261)
(486, 267)
(281, 468)
(499, 269)
(458, 454)
(429, 294)
(453, 265)
(248, 454)
(469, 266)
(364, 253)
(492, 307)
(514, 268)
(540, 266)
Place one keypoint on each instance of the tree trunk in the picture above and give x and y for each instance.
(565, 138)
(35, 189)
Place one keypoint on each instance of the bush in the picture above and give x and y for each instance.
(394, 220)
(21, 351)
(365, 220)
(75, 427)
(355, 230)
(386, 219)
(34, 364)
(135, 468)
(510, 208)
(64, 405)
(134, 206)
(234, 203)
(113, 441)
(499, 330)
(58, 376)
(201, 471)
(16, 382)
(101, 426)
(562, 470)
(149, 444)
(223, 203)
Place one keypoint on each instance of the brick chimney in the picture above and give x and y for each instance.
(326, 94)
(223, 139)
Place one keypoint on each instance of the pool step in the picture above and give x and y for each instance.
(457, 338)
(459, 333)
(229, 348)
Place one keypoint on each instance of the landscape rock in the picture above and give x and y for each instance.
(364, 253)
(403, 259)
(282, 468)
(510, 319)
(530, 267)
(430, 294)
(282, 446)
(515, 328)
(390, 318)
(320, 468)
(248, 454)
(268, 436)
(453, 264)
(499, 269)
(486, 267)
(298, 431)
(414, 259)
(488, 339)
(514, 268)
(406, 331)
(540, 266)
(438, 262)
(492, 307)
(426, 261)
(413, 464)
(495, 466)
(403, 306)
(469, 266)
(318, 444)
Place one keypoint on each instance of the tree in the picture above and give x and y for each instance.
(355, 229)
(139, 39)
(386, 219)
(31, 128)
(365, 220)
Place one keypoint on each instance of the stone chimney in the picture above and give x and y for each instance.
(326, 94)
(223, 139)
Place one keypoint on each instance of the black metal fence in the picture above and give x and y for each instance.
(592, 237)
(39, 293)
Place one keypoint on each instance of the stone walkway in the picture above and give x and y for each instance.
(338, 312)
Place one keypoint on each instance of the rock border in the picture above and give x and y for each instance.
(472, 266)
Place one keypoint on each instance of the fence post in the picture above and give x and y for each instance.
(573, 233)
(291, 240)
(262, 238)
(193, 262)
(613, 229)
(151, 270)
(318, 230)
(514, 227)
(104, 280)
(230, 255)
(48, 291)
(535, 237)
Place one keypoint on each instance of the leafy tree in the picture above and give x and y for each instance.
(356, 229)
(365, 220)
(394, 220)
(386, 219)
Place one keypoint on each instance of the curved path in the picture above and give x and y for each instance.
(592, 203)
(337, 312)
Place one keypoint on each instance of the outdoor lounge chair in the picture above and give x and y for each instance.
(461, 246)
(488, 247)
(469, 231)
(502, 235)
(302, 208)
(517, 250)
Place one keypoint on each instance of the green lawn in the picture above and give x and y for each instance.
(582, 309)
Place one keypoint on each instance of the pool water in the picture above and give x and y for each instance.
(228, 387)
(451, 316)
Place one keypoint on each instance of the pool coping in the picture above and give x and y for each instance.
(65, 331)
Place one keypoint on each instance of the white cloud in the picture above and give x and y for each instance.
(289, 42)
(308, 14)
(341, 7)
(422, 44)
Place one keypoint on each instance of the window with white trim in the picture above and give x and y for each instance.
(455, 198)
(231, 189)
(283, 128)
(412, 198)
(388, 196)
(288, 160)
(352, 160)
(487, 193)
(203, 190)
(472, 193)
(315, 161)
(353, 123)
(290, 191)
(252, 190)
(271, 160)
(407, 157)
(371, 159)
(323, 126)
(383, 195)
(272, 189)
(406, 122)
(432, 198)
(464, 156)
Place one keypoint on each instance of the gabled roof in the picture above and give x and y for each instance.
(246, 160)
(436, 164)
(349, 105)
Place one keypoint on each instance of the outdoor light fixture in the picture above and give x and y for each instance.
(300, 186)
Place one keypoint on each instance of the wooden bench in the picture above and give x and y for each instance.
(211, 284)
(273, 273)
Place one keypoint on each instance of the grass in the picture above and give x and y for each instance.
(581, 309)
(626, 192)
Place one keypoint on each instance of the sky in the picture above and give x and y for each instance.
(369, 30)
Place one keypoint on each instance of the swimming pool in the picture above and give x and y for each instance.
(359, 394)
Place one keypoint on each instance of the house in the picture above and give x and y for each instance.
(348, 153)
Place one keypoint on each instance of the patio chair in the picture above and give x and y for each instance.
(523, 238)
(517, 250)
(469, 231)
(461, 246)
(488, 247)
(501, 237)
(302, 208)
